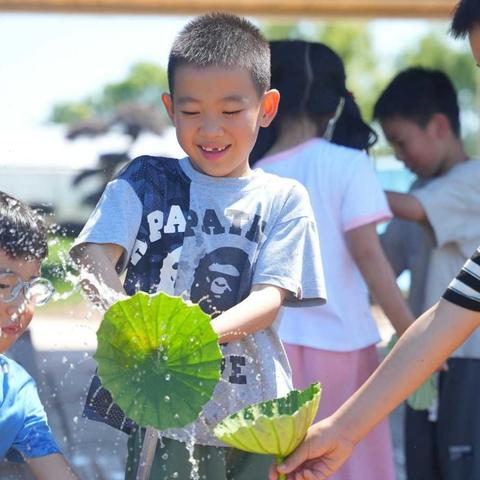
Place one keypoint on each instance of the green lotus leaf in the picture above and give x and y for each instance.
(424, 397)
(275, 427)
(159, 358)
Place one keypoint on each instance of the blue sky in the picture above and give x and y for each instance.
(46, 58)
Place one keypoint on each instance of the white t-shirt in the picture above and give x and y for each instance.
(345, 194)
(452, 205)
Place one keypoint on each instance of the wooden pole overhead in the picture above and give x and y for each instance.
(296, 8)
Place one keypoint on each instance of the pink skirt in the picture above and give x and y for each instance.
(341, 374)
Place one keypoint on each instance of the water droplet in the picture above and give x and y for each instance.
(168, 377)
(166, 398)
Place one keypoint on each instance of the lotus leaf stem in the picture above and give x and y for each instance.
(280, 460)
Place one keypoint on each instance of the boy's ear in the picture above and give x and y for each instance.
(270, 102)
(441, 124)
(168, 104)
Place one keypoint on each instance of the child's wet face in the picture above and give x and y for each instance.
(16, 315)
(217, 113)
(417, 147)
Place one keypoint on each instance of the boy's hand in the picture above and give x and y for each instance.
(322, 453)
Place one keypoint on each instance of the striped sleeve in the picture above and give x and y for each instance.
(464, 290)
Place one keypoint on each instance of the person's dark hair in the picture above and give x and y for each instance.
(23, 232)
(225, 40)
(418, 93)
(311, 80)
(465, 18)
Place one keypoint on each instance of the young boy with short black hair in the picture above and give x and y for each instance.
(435, 230)
(239, 242)
(24, 431)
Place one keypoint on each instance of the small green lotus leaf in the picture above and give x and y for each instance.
(426, 394)
(159, 357)
(275, 427)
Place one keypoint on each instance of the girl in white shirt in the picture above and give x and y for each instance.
(335, 343)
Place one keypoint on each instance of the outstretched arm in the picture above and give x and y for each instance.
(51, 467)
(406, 206)
(366, 250)
(427, 343)
(97, 263)
(256, 312)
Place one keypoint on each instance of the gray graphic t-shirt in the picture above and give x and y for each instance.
(209, 240)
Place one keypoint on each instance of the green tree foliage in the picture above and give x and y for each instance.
(68, 112)
(145, 82)
(282, 31)
(353, 42)
(434, 51)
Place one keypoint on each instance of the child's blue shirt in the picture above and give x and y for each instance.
(24, 431)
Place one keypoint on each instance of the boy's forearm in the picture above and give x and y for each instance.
(406, 206)
(430, 340)
(97, 271)
(256, 312)
(368, 254)
(51, 467)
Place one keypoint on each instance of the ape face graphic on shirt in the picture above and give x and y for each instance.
(221, 280)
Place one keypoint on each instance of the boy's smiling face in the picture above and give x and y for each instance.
(16, 315)
(217, 113)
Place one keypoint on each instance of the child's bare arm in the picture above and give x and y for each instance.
(406, 206)
(98, 267)
(430, 340)
(256, 312)
(365, 248)
(51, 467)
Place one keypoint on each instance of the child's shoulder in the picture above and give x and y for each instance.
(469, 167)
(275, 183)
(461, 174)
(315, 155)
(283, 190)
(17, 376)
(146, 165)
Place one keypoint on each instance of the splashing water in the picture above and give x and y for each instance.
(190, 445)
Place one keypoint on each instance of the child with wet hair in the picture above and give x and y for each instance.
(319, 139)
(24, 431)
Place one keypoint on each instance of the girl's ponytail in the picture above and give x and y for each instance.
(350, 129)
